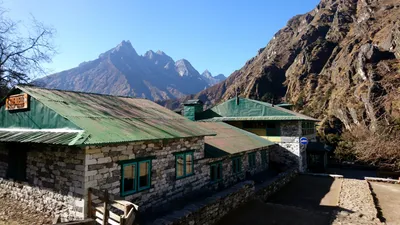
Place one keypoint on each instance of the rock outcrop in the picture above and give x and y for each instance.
(340, 61)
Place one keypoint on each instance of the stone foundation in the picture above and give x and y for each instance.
(54, 181)
(215, 207)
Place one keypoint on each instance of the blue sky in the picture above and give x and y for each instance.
(217, 35)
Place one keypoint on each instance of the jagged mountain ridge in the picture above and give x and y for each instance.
(340, 61)
(211, 79)
(121, 71)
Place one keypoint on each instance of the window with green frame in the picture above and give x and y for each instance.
(184, 165)
(307, 128)
(237, 165)
(252, 159)
(135, 176)
(216, 172)
(264, 158)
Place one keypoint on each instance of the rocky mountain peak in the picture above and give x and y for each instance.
(123, 49)
(121, 71)
(184, 68)
(207, 74)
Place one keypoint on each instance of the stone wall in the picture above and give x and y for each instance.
(210, 210)
(3, 161)
(229, 178)
(290, 149)
(54, 181)
(104, 172)
(270, 187)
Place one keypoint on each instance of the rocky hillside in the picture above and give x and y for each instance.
(339, 61)
(121, 71)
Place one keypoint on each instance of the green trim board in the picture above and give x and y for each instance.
(264, 158)
(216, 172)
(134, 171)
(104, 119)
(183, 162)
(237, 165)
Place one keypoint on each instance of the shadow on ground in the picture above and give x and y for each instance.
(305, 200)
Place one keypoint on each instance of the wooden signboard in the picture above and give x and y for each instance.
(16, 102)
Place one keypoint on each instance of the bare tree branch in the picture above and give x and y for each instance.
(21, 56)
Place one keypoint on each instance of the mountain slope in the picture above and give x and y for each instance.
(121, 71)
(339, 61)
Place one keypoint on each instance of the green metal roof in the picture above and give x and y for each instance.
(231, 140)
(40, 136)
(245, 118)
(114, 119)
(249, 109)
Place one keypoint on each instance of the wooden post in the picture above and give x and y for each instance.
(89, 203)
(105, 215)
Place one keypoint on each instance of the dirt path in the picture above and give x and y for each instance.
(13, 212)
(388, 196)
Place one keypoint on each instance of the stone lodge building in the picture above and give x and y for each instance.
(271, 122)
(54, 145)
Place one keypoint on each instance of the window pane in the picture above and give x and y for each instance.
(144, 174)
(129, 177)
(189, 164)
(179, 166)
(219, 171)
(234, 166)
(212, 172)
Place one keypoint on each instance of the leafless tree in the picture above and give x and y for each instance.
(21, 56)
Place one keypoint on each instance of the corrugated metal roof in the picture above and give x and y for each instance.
(249, 108)
(193, 102)
(258, 118)
(114, 119)
(231, 140)
(39, 136)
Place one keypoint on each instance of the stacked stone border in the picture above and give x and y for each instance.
(215, 207)
(383, 180)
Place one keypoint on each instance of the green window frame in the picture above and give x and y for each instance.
(216, 174)
(307, 128)
(252, 160)
(135, 176)
(264, 157)
(236, 165)
(184, 164)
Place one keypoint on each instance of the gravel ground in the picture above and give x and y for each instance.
(13, 212)
(356, 204)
